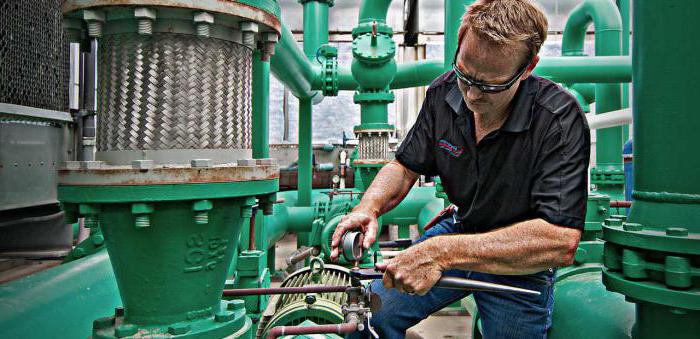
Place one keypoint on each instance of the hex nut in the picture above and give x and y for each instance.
(235, 305)
(178, 329)
(249, 26)
(246, 162)
(142, 164)
(144, 13)
(265, 162)
(71, 165)
(203, 17)
(91, 165)
(92, 15)
(223, 317)
(201, 163)
(271, 37)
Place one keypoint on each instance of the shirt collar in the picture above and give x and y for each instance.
(520, 117)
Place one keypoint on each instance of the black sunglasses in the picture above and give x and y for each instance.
(488, 88)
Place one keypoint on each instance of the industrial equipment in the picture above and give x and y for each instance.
(134, 146)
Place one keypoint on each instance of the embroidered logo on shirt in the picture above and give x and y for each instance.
(454, 151)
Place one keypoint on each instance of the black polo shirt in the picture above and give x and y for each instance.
(534, 166)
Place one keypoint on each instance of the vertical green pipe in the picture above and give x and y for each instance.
(624, 6)
(315, 26)
(608, 41)
(374, 10)
(304, 174)
(666, 185)
(454, 10)
(261, 97)
(315, 35)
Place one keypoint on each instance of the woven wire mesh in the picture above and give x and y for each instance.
(173, 91)
(33, 54)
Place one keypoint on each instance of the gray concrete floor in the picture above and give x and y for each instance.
(441, 325)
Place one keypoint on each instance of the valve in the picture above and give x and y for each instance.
(327, 56)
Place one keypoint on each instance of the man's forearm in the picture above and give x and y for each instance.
(388, 188)
(523, 248)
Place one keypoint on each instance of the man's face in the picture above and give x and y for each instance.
(492, 65)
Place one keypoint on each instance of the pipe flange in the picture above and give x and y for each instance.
(329, 63)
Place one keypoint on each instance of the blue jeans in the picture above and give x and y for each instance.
(502, 315)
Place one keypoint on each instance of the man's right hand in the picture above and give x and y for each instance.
(364, 222)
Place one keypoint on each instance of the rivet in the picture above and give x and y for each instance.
(677, 231)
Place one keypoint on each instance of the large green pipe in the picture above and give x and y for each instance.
(454, 10)
(60, 302)
(305, 169)
(291, 66)
(374, 10)
(604, 15)
(261, 103)
(583, 71)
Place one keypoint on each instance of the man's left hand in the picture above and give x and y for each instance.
(412, 271)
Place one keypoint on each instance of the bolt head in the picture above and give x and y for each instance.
(249, 26)
(142, 164)
(203, 17)
(92, 15)
(246, 162)
(91, 165)
(119, 311)
(145, 13)
(201, 163)
(98, 240)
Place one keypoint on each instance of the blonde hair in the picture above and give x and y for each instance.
(506, 23)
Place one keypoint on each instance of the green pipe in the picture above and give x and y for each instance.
(315, 26)
(409, 210)
(624, 6)
(291, 66)
(604, 15)
(664, 221)
(584, 69)
(454, 10)
(304, 173)
(587, 90)
(416, 73)
(60, 302)
(261, 103)
(374, 10)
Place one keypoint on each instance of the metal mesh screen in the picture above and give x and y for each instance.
(33, 54)
(173, 91)
(373, 145)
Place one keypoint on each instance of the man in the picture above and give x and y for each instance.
(512, 151)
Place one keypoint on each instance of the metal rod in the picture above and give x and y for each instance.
(344, 328)
(475, 285)
(620, 203)
(307, 252)
(241, 292)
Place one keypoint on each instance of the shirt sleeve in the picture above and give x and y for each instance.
(560, 183)
(417, 149)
